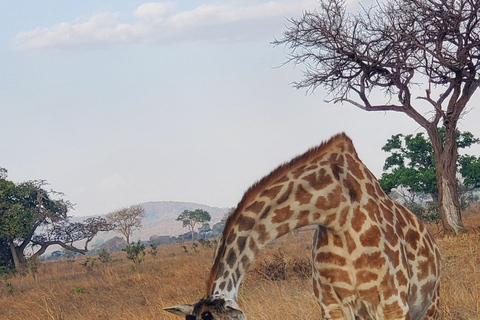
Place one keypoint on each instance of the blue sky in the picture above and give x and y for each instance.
(116, 103)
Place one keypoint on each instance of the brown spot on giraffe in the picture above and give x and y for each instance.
(390, 235)
(265, 212)
(423, 268)
(245, 223)
(393, 255)
(335, 275)
(370, 189)
(331, 201)
(373, 211)
(282, 214)
(302, 196)
(231, 238)
(263, 235)
(282, 180)
(412, 238)
(367, 248)
(393, 310)
(256, 207)
(245, 262)
(388, 287)
(358, 219)
(370, 260)
(241, 242)
(271, 192)
(331, 258)
(319, 180)
(401, 278)
(284, 197)
(303, 219)
(253, 246)
(343, 217)
(354, 167)
(351, 244)
(387, 215)
(283, 229)
(337, 241)
(371, 237)
(330, 218)
(353, 187)
(298, 172)
(321, 237)
(231, 257)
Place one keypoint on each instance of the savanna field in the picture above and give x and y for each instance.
(278, 285)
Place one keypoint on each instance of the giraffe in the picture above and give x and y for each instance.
(372, 258)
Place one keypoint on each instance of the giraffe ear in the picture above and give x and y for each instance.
(182, 310)
(233, 309)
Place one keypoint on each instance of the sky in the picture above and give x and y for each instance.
(116, 103)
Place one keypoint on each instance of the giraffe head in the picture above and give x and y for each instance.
(212, 308)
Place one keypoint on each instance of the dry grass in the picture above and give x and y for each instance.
(278, 286)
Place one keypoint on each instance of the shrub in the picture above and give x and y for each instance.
(104, 256)
(136, 253)
(88, 264)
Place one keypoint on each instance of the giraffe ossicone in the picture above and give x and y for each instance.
(372, 258)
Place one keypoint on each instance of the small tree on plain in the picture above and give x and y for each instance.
(126, 220)
(193, 218)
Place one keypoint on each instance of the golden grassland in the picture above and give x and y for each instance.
(277, 287)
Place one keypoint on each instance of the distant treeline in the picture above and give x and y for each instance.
(118, 243)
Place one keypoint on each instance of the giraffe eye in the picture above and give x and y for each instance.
(207, 316)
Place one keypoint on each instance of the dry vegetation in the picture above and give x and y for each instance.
(278, 286)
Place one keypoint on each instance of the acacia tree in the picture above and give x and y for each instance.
(191, 219)
(126, 220)
(377, 59)
(33, 217)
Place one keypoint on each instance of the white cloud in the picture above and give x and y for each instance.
(157, 23)
(152, 10)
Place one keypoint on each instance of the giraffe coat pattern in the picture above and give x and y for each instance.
(372, 258)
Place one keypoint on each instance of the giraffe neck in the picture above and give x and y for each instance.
(315, 188)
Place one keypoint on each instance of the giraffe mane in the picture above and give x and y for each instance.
(261, 184)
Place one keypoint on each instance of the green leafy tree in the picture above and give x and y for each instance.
(470, 171)
(417, 57)
(6, 258)
(31, 216)
(410, 165)
(193, 218)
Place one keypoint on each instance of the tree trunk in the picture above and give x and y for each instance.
(446, 167)
(18, 257)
